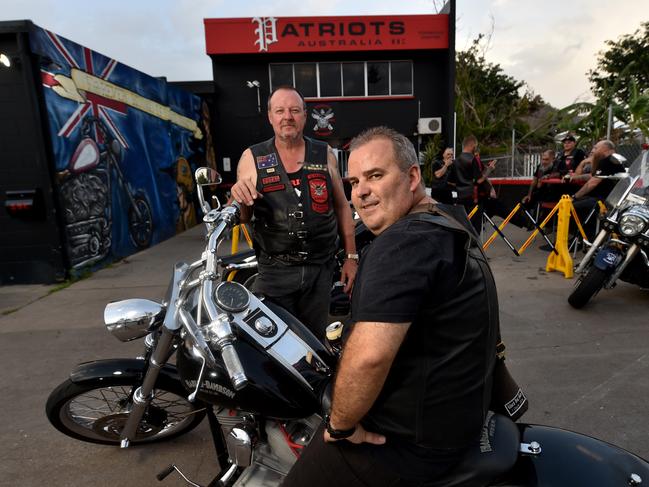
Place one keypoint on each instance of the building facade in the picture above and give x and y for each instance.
(354, 72)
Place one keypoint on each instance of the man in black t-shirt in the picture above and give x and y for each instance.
(413, 385)
(597, 188)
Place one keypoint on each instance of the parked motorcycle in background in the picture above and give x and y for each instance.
(263, 380)
(620, 250)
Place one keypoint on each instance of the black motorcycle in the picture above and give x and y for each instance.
(262, 379)
(621, 248)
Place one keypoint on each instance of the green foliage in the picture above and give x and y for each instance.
(489, 103)
(429, 154)
(622, 68)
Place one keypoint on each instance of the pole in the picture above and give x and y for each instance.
(454, 133)
(513, 148)
(610, 122)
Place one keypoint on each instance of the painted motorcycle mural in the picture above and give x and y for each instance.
(123, 144)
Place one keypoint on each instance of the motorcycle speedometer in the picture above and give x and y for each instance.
(232, 296)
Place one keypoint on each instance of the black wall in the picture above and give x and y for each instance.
(237, 122)
(30, 244)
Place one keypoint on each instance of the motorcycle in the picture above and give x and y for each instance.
(621, 248)
(263, 381)
(85, 186)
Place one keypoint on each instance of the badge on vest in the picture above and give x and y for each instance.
(315, 167)
(264, 162)
(273, 187)
(319, 193)
(270, 180)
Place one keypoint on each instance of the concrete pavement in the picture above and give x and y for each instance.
(584, 370)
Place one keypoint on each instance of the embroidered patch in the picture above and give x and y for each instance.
(270, 170)
(318, 189)
(270, 179)
(264, 162)
(315, 167)
(318, 208)
(273, 187)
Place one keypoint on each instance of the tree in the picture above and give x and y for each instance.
(620, 82)
(489, 103)
(622, 68)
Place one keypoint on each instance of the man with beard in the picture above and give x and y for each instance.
(291, 184)
(413, 386)
(604, 164)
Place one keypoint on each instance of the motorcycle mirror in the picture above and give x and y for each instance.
(206, 176)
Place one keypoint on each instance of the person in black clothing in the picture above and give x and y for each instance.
(440, 188)
(543, 171)
(471, 177)
(471, 180)
(570, 157)
(292, 185)
(413, 385)
(597, 188)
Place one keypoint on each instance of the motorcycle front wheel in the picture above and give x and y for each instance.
(587, 287)
(97, 411)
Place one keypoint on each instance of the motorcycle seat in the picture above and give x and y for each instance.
(238, 257)
(495, 454)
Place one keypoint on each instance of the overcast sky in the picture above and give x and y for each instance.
(550, 44)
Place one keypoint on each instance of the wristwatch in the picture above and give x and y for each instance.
(338, 434)
(352, 257)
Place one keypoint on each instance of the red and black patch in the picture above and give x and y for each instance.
(273, 187)
(270, 180)
(319, 193)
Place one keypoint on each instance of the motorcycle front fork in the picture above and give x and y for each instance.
(144, 394)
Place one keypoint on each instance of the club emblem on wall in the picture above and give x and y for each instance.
(324, 117)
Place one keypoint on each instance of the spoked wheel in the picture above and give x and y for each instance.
(140, 225)
(97, 412)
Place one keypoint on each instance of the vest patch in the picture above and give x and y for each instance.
(315, 167)
(319, 193)
(270, 179)
(270, 170)
(264, 162)
(273, 187)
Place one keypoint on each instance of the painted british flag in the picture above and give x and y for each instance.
(92, 104)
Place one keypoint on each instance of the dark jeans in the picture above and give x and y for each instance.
(304, 290)
(347, 465)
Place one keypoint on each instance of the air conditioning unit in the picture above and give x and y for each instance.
(431, 125)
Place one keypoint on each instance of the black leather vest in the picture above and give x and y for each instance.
(439, 387)
(292, 228)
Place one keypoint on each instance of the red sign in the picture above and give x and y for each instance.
(304, 34)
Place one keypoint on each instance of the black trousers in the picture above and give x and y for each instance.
(304, 290)
(345, 464)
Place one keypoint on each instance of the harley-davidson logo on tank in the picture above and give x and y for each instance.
(299, 34)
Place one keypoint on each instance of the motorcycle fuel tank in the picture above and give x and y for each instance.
(285, 388)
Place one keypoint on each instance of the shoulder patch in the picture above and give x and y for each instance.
(264, 162)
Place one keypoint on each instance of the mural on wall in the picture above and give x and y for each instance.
(124, 146)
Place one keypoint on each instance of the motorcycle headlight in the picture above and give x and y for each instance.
(631, 225)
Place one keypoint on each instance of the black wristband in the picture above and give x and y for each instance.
(338, 434)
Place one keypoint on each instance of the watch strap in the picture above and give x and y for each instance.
(338, 434)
